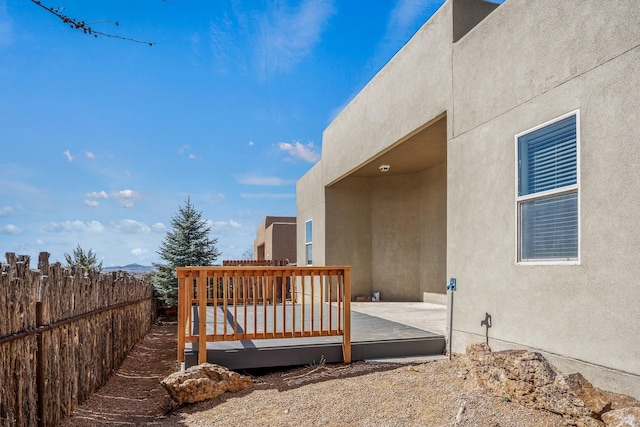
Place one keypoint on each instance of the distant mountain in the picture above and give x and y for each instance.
(131, 269)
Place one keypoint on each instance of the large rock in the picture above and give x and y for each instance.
(626, 417)
(203, 382)
(528, 378)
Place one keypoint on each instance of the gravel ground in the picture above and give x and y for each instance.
(441, 393)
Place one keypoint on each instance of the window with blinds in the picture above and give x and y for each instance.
(548, 223)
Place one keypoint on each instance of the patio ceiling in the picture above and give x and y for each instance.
(421, 151)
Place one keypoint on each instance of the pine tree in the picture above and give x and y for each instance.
(87, 260)
(188, 243)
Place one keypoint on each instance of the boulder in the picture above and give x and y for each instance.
(626, 417)
(202, 382)
(528, 378)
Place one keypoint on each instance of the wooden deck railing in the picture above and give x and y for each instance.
(246, 303)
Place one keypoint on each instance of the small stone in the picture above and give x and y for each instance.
(626, 417)
(202, 382)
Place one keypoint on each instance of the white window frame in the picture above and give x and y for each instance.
(308, 243)
(541, 195)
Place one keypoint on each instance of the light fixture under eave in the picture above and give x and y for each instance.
(384, 168)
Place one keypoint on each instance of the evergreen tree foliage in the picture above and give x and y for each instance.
(188, 243)
(87, 260)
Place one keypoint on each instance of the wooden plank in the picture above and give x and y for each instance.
(182, 307)
(330, 278)
(202, 317)
(292, 279)
(346, 336)
(322, 278)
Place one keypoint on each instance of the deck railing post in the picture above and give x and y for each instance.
(346, 333)
(202, 308)
(182, 324)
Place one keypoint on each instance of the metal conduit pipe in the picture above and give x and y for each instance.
(451, 287)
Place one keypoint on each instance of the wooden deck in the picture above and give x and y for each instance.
(249, 303)
(371, 338)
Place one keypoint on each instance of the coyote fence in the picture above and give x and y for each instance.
(63, 331)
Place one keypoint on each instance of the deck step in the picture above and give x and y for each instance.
(372, 338)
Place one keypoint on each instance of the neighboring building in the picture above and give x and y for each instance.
(512, 136)
(276, 239)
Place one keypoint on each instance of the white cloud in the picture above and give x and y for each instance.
(139, 251)
(159, 227)
(67, 153)
(126, 198)
(182, 148)
(9, 210)
(97, 195)
(297, 150)
(216, 197)
(272, 196)
(195, 43)
(255, 179)
(74, 226)
(6, 26)
(288, 35)
(251, 144)
(228, 228)
(192, 156)
(10, 229)
(223, 45)
(129, 226)
(90, 155)
(224, 224)
(125, 194)
(281, 36)
(405, 19)
(405, 14)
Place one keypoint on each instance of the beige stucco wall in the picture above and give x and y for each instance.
(409, 234)
(525, 48)
(395, 238)
(524, 64)
(388, 109)
(348, 205)
(391, 231)
(433, 230)
(527, 63)
(310, 206)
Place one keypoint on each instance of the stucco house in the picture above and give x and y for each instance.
(500, 146)
(276, 239)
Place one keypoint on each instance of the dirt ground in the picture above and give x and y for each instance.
(133, 395)
(442, 393)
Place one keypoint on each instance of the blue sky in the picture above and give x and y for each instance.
(102, 140)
